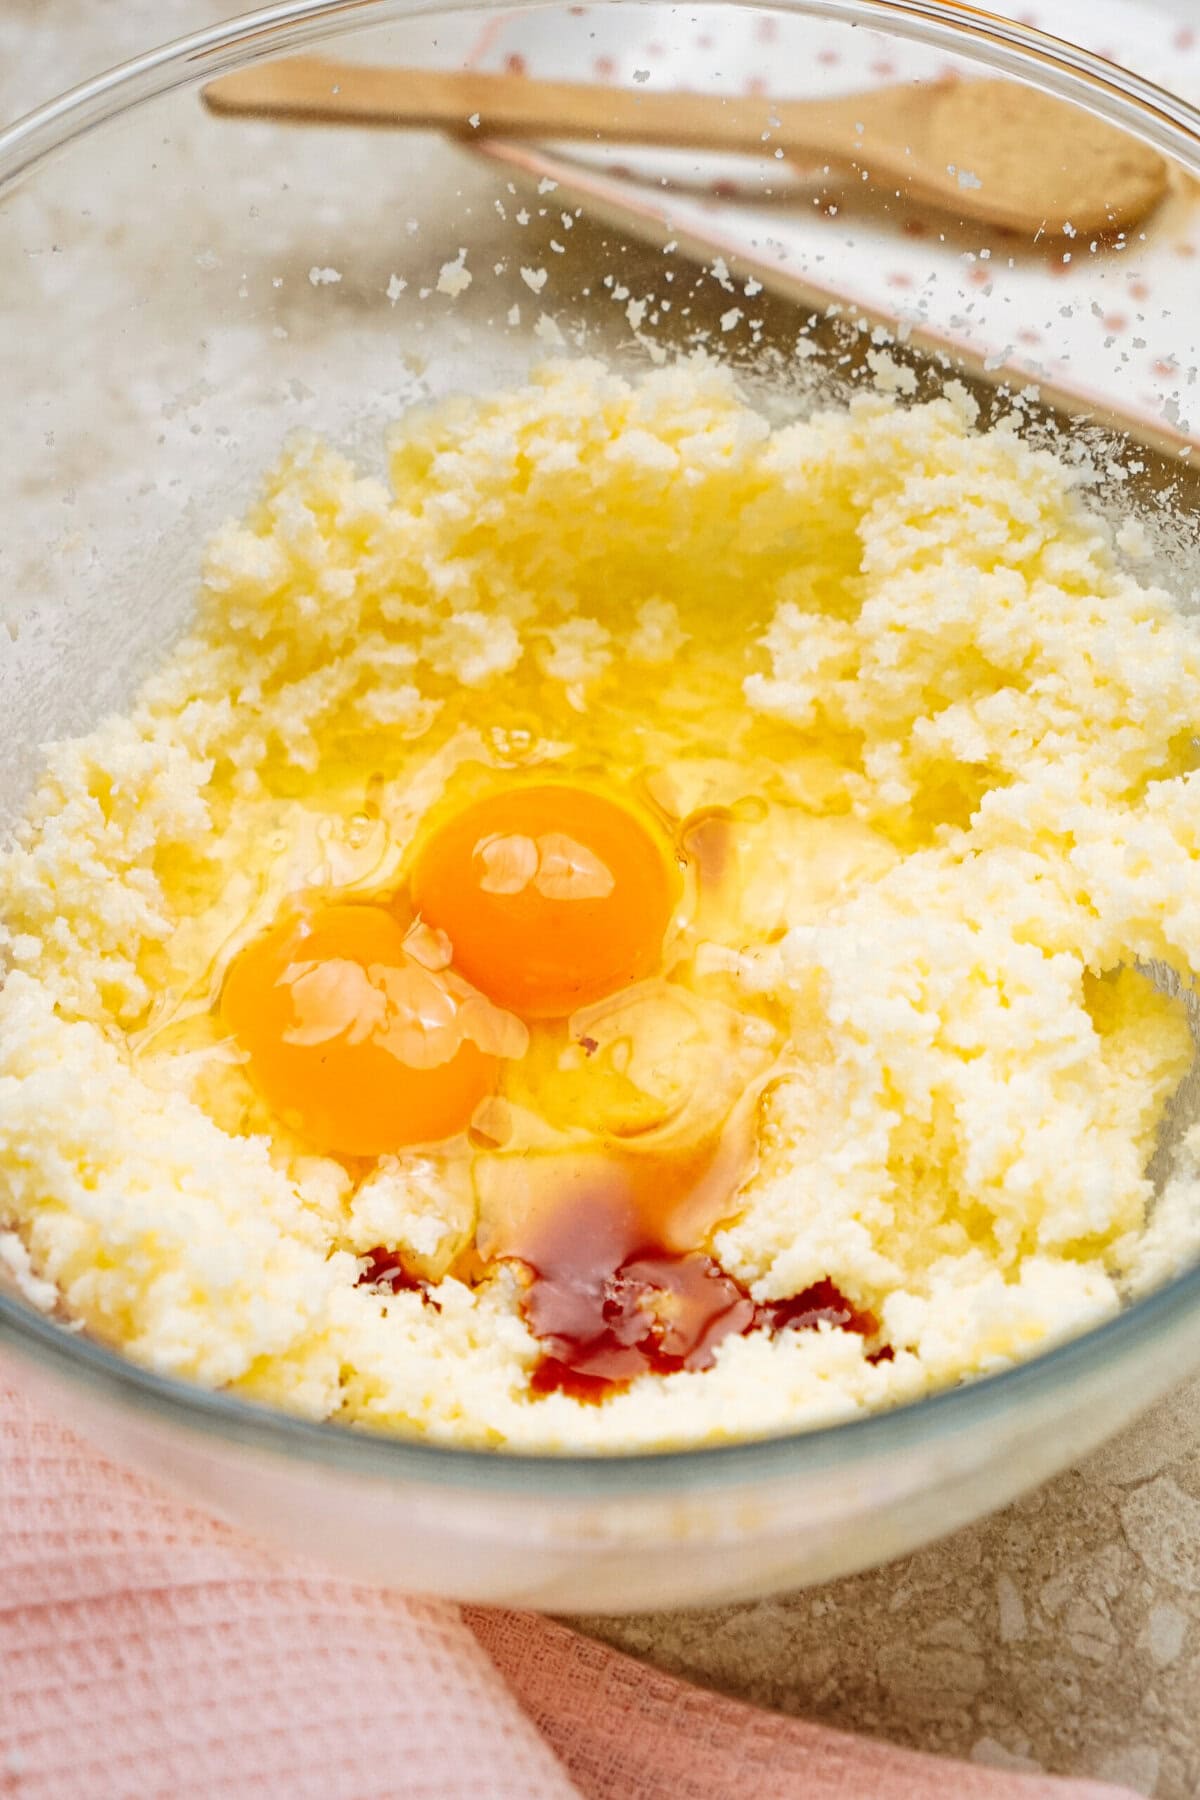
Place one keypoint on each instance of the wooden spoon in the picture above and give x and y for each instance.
(995, 151)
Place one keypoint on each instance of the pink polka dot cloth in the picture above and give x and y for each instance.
(148, 1652)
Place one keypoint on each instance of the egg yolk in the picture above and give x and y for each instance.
(352, 1040)
(551, 896)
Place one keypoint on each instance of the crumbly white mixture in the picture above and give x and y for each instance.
(976, 732)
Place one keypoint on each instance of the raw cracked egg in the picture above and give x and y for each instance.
(358, 1035)
(552, 896)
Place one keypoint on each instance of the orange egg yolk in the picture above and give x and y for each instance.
(552, 896)
(352, 1040)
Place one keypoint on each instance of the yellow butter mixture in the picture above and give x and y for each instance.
(635, 931)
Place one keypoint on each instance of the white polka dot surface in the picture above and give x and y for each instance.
(1113, 324)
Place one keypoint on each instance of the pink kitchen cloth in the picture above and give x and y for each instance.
(148, 1652)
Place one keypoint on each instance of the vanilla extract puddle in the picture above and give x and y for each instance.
(614, 1285)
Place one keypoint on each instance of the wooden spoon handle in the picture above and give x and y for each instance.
(311, 89)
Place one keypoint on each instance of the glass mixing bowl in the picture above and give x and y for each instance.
(181, 290)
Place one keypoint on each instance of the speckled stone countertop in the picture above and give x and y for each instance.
(1063, 1633)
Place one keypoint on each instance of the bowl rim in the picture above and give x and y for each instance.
(1172, 125)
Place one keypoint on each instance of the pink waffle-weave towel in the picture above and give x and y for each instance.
(148, 1652)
